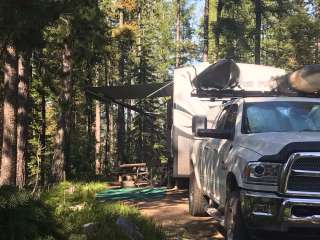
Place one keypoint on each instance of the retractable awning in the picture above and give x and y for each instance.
(141, 91)
(118, 93)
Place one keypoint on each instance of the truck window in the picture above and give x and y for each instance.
(222, 119)
(231, 117)
(227, 119)
(281, 116)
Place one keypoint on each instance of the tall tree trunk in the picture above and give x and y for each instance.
(217, 30)
(22, 117)
(121, 117)
(1, 117)
(109, 119)
(169, 142)
(206, 31)
(43, 137)
(120, 135)
(9, 144)
(257, 35)
(63, 130)
(90, 120)
(178, 33)
(98, 139)
(110, 134)
(107, 153)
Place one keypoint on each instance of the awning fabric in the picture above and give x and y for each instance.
(132, 91)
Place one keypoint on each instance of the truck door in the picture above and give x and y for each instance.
(210, 158)
(224, 147)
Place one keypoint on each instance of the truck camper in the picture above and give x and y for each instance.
(248, 139)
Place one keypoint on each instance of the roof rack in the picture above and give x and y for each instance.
(230, 93)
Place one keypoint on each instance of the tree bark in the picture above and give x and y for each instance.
(120, 135)
(63, 130)
(1, 117)
(110, 134)
(257, 37)
(22, 117)
(217, 28)
(9, 144)
(178, 33)
(98, 139)
(206, 31)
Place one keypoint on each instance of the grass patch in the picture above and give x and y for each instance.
(61, 212)
(75, 204)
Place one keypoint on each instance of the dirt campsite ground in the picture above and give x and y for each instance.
(172, 213)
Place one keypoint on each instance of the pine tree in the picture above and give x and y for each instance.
(63, 130)
(24, 71)
(9, 144)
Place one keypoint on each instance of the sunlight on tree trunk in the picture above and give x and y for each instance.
(22, 117)
(9, 145)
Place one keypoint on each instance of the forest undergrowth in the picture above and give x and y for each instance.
(62, 211)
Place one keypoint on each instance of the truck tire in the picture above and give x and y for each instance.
(235, 228)
(197, 202)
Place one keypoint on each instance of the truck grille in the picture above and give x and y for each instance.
(304, 184)
(304, 174)
(308, 164)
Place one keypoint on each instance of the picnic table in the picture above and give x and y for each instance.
(134, 174)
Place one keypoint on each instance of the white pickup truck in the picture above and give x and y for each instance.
(252, 161)
(259, 163)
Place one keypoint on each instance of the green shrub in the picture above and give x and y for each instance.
(22, 217)
(68, 194)
(61, 213)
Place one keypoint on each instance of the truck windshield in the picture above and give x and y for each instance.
(281, 116)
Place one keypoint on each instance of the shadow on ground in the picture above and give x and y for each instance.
(172, 213)
(169, 208)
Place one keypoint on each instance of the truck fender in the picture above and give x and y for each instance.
(241, 157)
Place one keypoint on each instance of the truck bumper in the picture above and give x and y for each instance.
(268, 211)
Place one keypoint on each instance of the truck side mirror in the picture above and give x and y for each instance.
(199, 122)
(213, 133)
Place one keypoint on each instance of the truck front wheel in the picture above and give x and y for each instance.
(234, 224)
(197, 202)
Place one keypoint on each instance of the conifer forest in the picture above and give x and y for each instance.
(53, 134)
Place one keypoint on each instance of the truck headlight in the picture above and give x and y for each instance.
(262, 173)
